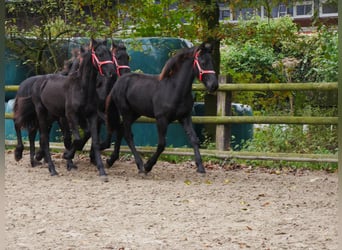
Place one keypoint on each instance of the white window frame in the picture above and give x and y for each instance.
(283, 6)
(321, 14)
(300, 4)
(225, 8)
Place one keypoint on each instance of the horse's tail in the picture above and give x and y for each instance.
(112, 113)
(24, 114)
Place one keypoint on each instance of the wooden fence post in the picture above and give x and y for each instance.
(224, 108)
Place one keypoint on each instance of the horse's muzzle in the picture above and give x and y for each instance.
(109, 70)
(212, 85)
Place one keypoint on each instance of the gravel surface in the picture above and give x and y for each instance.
(230, 207)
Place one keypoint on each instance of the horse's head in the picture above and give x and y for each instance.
(102, 58)
(203, 64)
(120, 58)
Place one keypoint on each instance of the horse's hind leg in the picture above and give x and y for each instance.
(189, 129)
(162, 125)
(32, 136)
(18, 153)
(44, 129)
(129, 139)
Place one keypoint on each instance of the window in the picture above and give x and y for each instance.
(282, 10)
(327, 9)
(225, 13)
(303, 9)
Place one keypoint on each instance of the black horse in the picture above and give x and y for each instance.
(26, 118)
(167, 97)
(103, 87)
(104, 84)
(75, 98)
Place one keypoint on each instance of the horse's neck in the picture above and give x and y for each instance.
(88, 82)
(184, 78)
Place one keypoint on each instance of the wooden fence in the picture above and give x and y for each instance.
(222, 120)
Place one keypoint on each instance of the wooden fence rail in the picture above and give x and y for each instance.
(221, 120)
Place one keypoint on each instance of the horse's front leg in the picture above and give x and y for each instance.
(189, 129)
(67, 140)
(114, 124)
(116, 152)
(162, 125)
(74, 124)
(103, 145)
(77, 142)
(95, 144)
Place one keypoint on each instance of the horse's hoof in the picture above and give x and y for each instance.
(54, 173)
(35, 163)
(39, 156)
(104, 178)
(18, 155)
(71, 166)
(109, 163)
(201, 171)
(148, 169)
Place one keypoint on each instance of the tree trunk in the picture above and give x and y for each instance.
(212, 20)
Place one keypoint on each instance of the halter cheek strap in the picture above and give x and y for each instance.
(118, 67)
(97, 62)
(201, 71)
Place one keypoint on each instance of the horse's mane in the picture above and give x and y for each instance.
(173, 64)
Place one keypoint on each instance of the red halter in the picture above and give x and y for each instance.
(200, 70)
(97, 62)
(118, 67)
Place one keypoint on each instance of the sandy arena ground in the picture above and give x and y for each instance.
(231, 207)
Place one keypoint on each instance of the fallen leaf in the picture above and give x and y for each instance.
(187, 182)
(208, 182)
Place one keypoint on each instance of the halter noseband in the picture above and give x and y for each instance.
(97, 62)
(201, 71)
(118, 67)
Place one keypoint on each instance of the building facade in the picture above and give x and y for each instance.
(302, 12)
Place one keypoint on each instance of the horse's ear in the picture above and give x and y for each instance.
(104, 42)
(122, 46)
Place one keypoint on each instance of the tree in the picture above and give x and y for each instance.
(44, 21)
